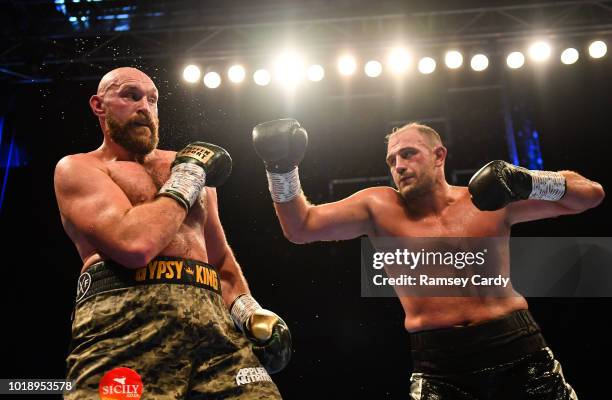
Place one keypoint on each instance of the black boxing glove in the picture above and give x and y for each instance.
(281, 144)
(197, 165)
(268, 333)
(499, 183)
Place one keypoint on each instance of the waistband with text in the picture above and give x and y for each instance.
(108, 275)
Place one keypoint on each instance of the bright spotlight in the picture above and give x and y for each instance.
(373, 68)
(399, 60)
(598, 49)
(347, 65)
(479, 62)
(427, 65)
(453, 59)
(289, 69)
(315, 73)
(515, 60)
(236, 73)
(262, 77)
(212, 80)
(539, 51)
(569, 56)
(191, 73)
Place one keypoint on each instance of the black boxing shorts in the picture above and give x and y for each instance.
(505, 358)
(168, 323)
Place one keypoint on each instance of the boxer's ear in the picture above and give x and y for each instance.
(440, 153)
(95, 102)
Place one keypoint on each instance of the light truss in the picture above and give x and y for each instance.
(162, 32)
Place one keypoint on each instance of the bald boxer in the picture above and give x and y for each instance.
(158, 275)
(462, 347)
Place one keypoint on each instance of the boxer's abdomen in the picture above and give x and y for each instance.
(423, 313)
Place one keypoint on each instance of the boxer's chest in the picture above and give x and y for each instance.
(141, 182)
(460, 219)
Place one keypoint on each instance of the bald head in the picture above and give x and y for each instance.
(126, 106)
(432, 137)
(117, 76)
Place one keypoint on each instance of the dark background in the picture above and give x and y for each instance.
(345, 346)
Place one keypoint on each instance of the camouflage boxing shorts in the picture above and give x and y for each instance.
(166, 321)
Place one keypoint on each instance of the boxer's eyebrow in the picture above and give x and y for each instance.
(129, 87)
(391, 156)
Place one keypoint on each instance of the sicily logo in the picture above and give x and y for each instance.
(121, 384)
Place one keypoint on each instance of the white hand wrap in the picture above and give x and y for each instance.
(185, 183)
(243, 307)
(284, 187)
(546, 185)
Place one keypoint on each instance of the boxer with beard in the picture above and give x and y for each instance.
(158, 276)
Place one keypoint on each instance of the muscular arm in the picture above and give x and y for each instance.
(281, 144)
(345, 219)
(220, 254)
(92, 204)
(580, 195)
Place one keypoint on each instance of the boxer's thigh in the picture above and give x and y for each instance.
(429, 387)
(539, 376)
(232, 376)
(142, 328)
(226, 367)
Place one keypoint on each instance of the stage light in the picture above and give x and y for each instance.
(427, 65)
(515, 60)
(399, 60)
(479, 62)
(539, 51)
(262, 77)
(236, 73)
(453, 59)
(373, 68)
(289, 68)
(212, 80)
(598, 49)
(191, 73)
(315, 73)
(347, 65)
(569, 56)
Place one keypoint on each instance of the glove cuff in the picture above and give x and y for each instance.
(284, 187)
(185, 184)
(242, 308)
(547, 185)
